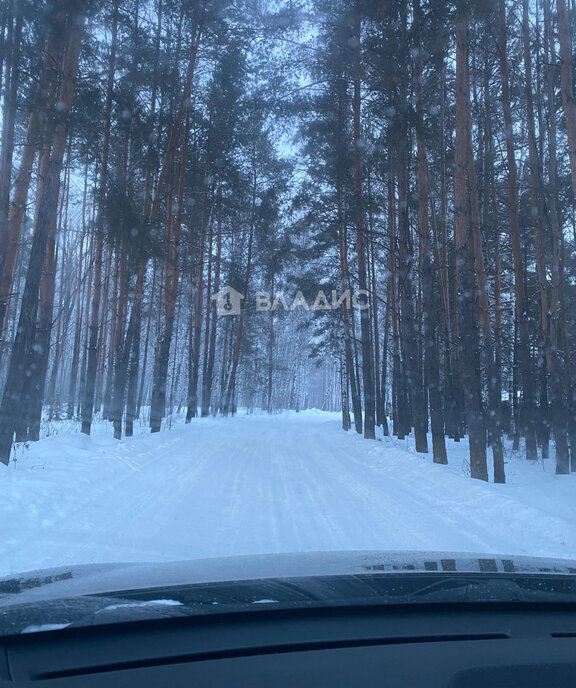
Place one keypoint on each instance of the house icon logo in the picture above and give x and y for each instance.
(228, 301)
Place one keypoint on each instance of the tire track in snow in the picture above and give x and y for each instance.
(258, 484)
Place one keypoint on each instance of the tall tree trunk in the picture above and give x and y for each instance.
(412, 376)
(12, 78)
(89, 390)
(131, 400)
(271, 343)
(345, 285)
(208, 374)
(209, 302)
(401, 423)
(567, 88)
(520, 301)
(480, 283)
(195, 334)
(344, 403)
(171, 282)
(551, 315)
(431, 354)
(37, 379)
(44, 100)
(380, 413)
(14, 400)
(79, 300)
(367, 365)
(127, 348)
(229, 405)
(469, 339)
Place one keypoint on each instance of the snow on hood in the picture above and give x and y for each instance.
(66, 582)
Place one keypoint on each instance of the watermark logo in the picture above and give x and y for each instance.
(228, 301)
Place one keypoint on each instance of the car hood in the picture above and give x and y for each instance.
(99, 579)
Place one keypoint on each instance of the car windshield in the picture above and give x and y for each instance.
(282, 277)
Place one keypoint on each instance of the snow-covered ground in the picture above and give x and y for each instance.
(266, 484)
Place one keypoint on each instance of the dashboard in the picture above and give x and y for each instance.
(455, 646)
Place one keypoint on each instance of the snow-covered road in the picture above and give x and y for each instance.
(260, 484)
